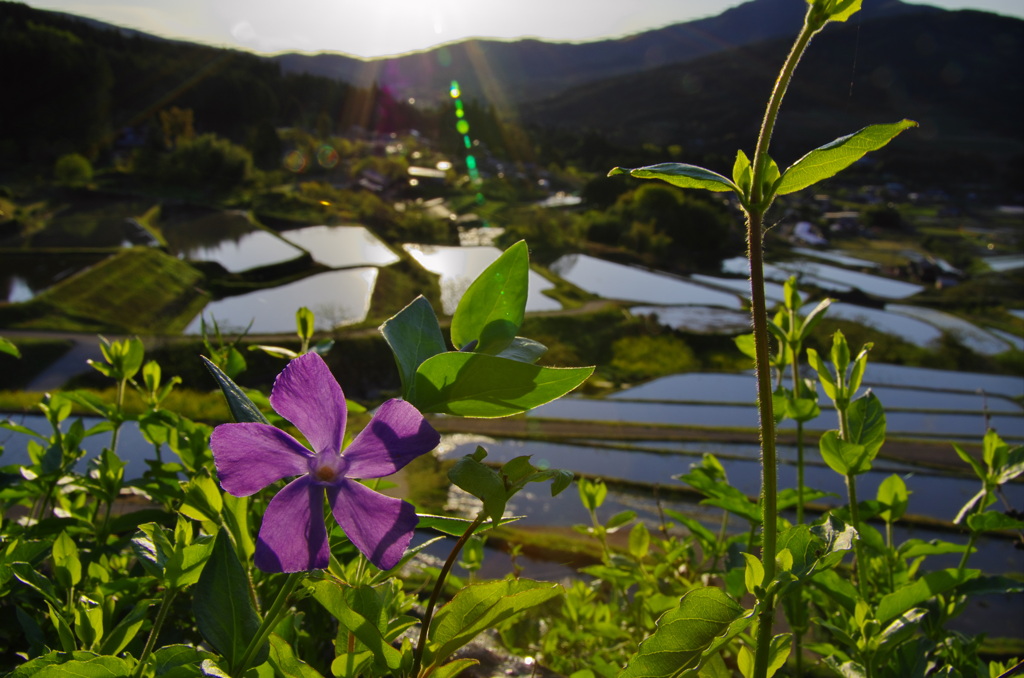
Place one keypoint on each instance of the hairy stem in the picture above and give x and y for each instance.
(861, 565)
(759, 316)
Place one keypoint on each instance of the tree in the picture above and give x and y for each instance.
(72, 169)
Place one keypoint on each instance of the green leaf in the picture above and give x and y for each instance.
(153, 548)
(242, 407)
(67, 639)
(482, 482)
(842, 457)
(828, 381)
(841, 10)
(186, 565)
(996, 585)
(1012, 467)
(413, 335)
(222, 606)
(681, 175)
(703, 534)
(28, 575)
(892, 493)
(305, 322)
(9, 348)
(88, 622)
(453, 668)
(491, 311)
(992, 520)
(838, 538)
(866, 418)
(203, 500)
(592, 493)
(171, 657)
(478, 385)
(524, 350)
(976, 466)
(742, 175)
(479, 607)
(702, 615)
(753, 574)
(332, 597)
(67, 566)
(125, 630)
(813, 318)
(835, 156)
(915, 548)
(639, 541)
(619, 519)
(455, 527)
(738, 505)
(276, 351)
(75, 664)
(932, 584)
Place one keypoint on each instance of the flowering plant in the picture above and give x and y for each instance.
(251, 455)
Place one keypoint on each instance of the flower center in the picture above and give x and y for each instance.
(327, 469)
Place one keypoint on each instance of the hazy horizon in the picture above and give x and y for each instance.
(390, 27)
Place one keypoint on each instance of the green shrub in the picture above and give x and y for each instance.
(72, 169)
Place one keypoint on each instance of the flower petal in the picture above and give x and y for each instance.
(293, 537)
(250, 456)
(380, 527)
(308, 395)
(396, 435)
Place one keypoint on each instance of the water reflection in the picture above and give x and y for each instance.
(102, 224)
(24, 275)
(459, 267)
(968, 334)
(342, 246)
(336, 297)
(835, 278)
(251, 250)
(698, 319)
(907, 328)
(773, 292)
(615, 281)
(952, 425)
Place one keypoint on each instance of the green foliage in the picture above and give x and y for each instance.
(646, 356)
(161, 297)
(206, 164)
(491, 374)
(72, 169)
(670, 229)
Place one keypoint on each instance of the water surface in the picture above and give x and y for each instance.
(336, 297)
(342, 246)
(616, 281)
(460, 266)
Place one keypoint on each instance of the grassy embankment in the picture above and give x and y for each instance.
(136, 291)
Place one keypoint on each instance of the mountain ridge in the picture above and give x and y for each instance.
(522, 70)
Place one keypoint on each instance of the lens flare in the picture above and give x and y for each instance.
(327, 157)
(295, 161)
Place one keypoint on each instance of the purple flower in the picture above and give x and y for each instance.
(293, 538)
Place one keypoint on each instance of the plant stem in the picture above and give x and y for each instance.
(851, 491)
(120, 412)
(436, 593)
(269, 623)
(161, 617)
(759, 316)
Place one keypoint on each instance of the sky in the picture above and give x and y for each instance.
(371, 28)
